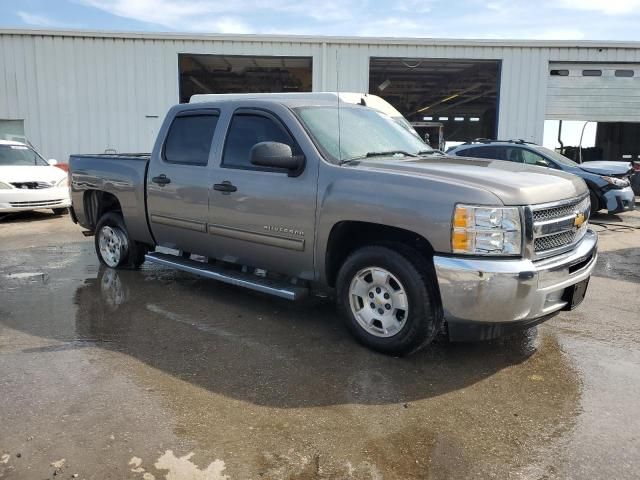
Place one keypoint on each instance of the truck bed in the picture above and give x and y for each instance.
(122, 175)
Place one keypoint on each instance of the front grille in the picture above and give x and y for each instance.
(39, 203)
(554, 241)
(555, 228)
(32, 185)
(555, 212)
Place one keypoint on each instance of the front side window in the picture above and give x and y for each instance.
(245, 131)
(532, 158)
(189, 139)
(20, 155)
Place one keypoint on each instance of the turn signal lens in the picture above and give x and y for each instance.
(461, 217)
(481, 230)
(460, 240)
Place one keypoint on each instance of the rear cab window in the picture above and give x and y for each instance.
(189, 138)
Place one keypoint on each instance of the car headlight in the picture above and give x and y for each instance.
(5, 186)
(63, 183)
(616, 182)
(486, 230)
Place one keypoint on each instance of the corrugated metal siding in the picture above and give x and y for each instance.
(602, 99)
(86, 92)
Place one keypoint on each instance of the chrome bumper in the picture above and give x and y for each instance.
(507, 291)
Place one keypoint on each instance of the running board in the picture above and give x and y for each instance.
(240, 279)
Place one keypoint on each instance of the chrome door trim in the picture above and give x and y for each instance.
(180, 223)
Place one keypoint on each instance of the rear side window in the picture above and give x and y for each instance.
(189, 139)
(491, 152)
(245, 131)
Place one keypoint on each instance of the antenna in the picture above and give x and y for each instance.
(338, 95)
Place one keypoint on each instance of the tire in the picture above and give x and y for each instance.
(409, 321)
(60, 211)
(114, 246)
(595, 203)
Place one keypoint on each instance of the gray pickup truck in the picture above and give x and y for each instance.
(295, 195)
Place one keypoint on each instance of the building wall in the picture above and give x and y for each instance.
(87, 92)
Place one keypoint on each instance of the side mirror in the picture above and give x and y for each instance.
(52, 161)
(276, 155)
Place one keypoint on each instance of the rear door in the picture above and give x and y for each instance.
(178, 182)
(261, 216)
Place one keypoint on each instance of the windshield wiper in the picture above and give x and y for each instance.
(378, 154)
(389, 153)
(430, 152)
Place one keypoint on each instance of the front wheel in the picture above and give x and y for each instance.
(113, 245)
(388, 299)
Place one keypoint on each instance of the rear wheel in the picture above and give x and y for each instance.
(114, 246)
(388, 300)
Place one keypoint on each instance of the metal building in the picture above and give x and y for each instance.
(71, 91)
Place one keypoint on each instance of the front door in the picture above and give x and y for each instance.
(178, 182)
(260, 216)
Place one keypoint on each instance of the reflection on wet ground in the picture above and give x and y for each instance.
(159, 373)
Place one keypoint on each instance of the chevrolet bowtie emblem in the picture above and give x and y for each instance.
(579, 220)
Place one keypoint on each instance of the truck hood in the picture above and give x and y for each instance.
(606, 167)
(512, 183)
(31, 173)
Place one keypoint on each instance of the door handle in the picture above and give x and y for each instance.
(226, 187)
(161, 180)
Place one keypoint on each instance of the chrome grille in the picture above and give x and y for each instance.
(555, 226)
(555, 212)
(554, 241)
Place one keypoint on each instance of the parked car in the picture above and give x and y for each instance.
(609, 182)
(29, 182)
(635, 178)
(293, 196)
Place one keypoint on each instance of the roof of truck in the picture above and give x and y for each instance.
(304, 98)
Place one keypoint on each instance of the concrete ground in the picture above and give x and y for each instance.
(158, 374)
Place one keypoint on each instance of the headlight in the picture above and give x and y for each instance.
(5, 186)
(486, 230)
(63, 183)
(616, 182)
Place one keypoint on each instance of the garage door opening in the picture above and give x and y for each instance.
(456, 98)
(583, 141)
(594, 110)
(242, 74)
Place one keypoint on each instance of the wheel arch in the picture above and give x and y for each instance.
(348, 235)
(98, 202)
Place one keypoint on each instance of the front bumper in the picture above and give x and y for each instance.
(18, 200)
(509, 292)
(620, 200)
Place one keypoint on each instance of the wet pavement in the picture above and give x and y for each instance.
(157, 374)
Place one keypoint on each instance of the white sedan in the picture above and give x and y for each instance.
(29, 182)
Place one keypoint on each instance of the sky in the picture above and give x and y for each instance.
(500, 19)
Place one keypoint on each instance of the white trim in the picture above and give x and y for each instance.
(319, 39)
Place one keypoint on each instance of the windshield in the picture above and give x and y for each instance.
(561, 159)
(363, 131)
(19, 155)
